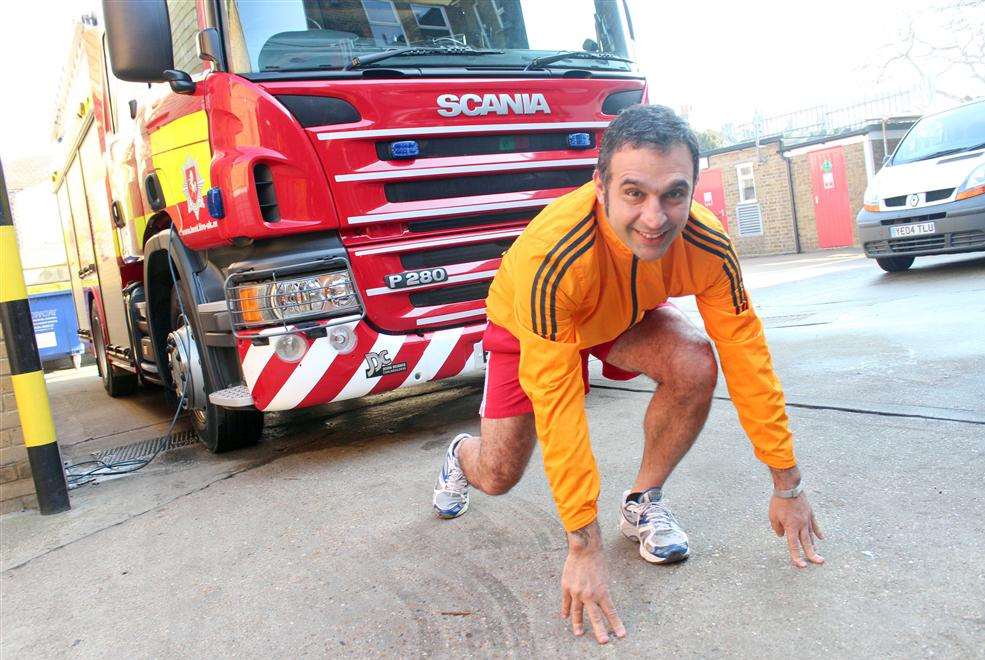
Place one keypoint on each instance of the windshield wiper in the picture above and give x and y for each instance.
(945, 152)
(955, 150)
(411, 51)
(541, 62)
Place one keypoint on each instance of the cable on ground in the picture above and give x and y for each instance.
(116, 468)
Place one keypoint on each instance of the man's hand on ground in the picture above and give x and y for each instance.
(585, 587)
(794, 519)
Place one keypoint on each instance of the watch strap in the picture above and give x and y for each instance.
(791, 493)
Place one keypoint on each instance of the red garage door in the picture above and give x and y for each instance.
(832, 211)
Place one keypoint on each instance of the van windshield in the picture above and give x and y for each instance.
(298, 35)
(951, 132)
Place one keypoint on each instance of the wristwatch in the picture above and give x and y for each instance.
(791, 493)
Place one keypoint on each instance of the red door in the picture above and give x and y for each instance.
(710, 193)
(829, 184)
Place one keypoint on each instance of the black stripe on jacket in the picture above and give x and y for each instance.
(550, 264)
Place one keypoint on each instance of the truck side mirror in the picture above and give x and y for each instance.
(138, 34)
(181, 82)
(210, 46)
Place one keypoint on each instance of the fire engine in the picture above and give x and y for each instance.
(274, 204)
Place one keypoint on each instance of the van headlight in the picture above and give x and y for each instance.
(870, 200)
(308, 297)
(974, 185)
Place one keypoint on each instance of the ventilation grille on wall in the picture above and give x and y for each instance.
(750, 220)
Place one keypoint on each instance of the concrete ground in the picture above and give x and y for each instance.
(320, 541)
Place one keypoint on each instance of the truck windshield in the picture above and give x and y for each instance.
(951, 132)
(298, 35)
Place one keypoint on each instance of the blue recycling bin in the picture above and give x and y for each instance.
(55, 327)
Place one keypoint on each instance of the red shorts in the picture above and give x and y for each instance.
(502, 395)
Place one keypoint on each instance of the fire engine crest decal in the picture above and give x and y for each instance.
(193, 185)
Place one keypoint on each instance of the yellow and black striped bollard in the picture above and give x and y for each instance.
(25, 368)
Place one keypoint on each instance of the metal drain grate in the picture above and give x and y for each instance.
(146, 448)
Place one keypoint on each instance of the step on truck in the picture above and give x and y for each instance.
(276, 204)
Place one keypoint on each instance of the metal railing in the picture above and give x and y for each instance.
(822, 120)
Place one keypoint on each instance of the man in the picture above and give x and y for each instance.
(591, 274)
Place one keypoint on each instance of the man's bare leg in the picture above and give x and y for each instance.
(666, 347)
(494, 462)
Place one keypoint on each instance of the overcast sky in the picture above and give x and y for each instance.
(728, 60)
(724, 59)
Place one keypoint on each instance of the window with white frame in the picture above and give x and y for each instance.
(747, 183)
(431, 20)
(384, 23)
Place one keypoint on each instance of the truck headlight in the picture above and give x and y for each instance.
(974, 185)
(870, 199)
(308, 297)
(312, 295)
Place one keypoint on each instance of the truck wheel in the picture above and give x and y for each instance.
(895, 264)
(117, 382)
(219, 429)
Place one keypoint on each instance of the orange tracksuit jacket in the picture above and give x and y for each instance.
(568, 283)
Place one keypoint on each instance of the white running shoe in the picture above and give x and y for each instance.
(650, 522)
(451, 492)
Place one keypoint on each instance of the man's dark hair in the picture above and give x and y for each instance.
(654, 126)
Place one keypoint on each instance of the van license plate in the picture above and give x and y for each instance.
(919, 229)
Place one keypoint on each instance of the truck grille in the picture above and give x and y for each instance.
(476, 145)
(458, 204)
(471, 221)
(455, 255)
(450, 295)
(495, 184)
(460, 218)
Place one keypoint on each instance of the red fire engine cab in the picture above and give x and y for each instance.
(304, 201)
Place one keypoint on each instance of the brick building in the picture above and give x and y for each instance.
(780, 196)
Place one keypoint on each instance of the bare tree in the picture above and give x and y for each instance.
(942, 44)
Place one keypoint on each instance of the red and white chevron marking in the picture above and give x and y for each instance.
(324, 375)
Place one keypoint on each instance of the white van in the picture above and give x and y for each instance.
(929, 198)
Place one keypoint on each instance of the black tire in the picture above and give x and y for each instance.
(219, 429)
(117, 382)
(895, 264)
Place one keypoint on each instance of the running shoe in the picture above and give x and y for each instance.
(650, 522)
(451, 492)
